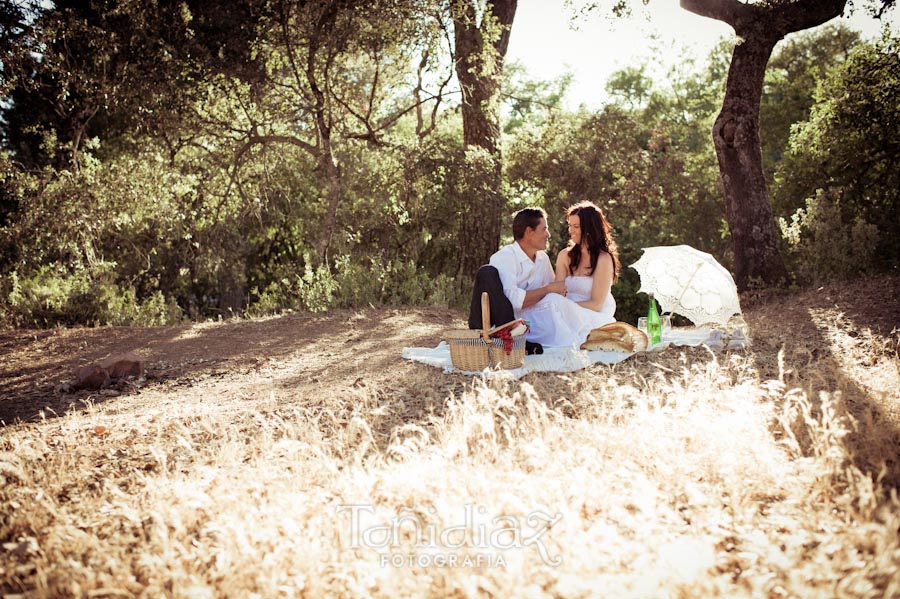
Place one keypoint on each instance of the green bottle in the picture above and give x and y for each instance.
(654, 326)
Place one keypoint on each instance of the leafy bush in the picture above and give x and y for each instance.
(51, 296)
(849, 146)
(825, 244)
(640, 169)
(352, 284)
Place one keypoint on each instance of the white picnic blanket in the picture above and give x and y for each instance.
(569, 359)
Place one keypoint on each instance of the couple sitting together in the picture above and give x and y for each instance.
(561, 306)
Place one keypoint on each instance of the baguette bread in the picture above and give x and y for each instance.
(616, 336)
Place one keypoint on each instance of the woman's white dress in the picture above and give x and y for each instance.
(558, 321)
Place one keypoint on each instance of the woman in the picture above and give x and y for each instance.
(589, 266)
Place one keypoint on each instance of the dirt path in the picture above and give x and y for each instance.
(292, 356)
(343, 355)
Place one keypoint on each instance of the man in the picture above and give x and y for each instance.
(519, 275)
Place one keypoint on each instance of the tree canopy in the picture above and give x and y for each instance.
(193, 159)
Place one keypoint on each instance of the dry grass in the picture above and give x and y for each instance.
(766, 473)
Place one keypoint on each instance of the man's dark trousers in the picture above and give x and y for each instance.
(488, 279)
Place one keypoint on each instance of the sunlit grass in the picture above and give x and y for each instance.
(689, 476)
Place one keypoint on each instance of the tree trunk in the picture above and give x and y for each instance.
(736, 130)
(480, 51)
(329, 175)
(736, 138)
(330, 179)
(70, 132)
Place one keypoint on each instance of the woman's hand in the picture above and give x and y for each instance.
(556, 287)
(533, 296)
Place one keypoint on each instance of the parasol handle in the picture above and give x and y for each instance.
(688, 284)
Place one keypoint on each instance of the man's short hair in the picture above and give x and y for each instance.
(525, 218)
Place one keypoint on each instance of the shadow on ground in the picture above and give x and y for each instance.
(347, 360)
(319, 350)
(817, 330)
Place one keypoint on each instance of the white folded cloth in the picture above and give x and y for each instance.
(569, 359)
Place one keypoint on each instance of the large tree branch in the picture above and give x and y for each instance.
(324, 25)
(372, 131)
(728, 11)
(285, 23)
(796, 16)
(434, 110)
(504, 11)
(785, 16)
(885, 5)
(423, 63)
(421, 129)
(252, 140)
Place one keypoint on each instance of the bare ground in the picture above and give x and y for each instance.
(295, 356)
(307, 359)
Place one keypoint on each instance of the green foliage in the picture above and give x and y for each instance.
(651, 189)
(826, 244)
(631, 86)
(170, 229)
(528, 101)
(848, 147)
(792, 76)
(354, 284)
(151, 172)
(52, 297)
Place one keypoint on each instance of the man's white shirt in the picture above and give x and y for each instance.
(519, 274)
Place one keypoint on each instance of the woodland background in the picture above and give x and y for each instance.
(190, 160)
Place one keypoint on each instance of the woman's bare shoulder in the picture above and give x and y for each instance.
(603, 259)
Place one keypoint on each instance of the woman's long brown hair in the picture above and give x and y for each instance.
(596, 233)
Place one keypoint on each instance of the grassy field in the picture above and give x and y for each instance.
(769, 472)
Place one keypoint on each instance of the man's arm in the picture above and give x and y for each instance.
(545, 276)
(505, 264)
(535, 295)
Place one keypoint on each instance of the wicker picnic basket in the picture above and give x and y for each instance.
(472, 349)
